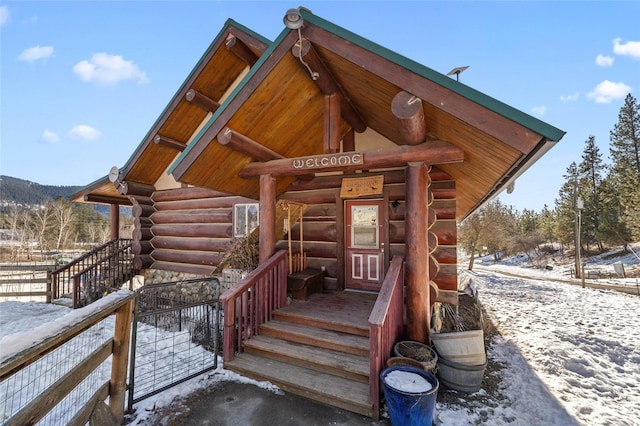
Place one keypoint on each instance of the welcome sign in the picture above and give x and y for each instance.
(329, 160)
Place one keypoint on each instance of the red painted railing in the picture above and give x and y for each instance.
(251, 302)
(385, 326)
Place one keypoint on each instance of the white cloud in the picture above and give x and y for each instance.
(4, 15)
(607, 91)
(50, 137)
(630, 48)
(108, 69)
(570, 98)
(37, 52)
(604, 61)
(539, 110)
(84, 132)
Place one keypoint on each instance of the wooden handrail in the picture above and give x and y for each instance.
(251, 302)
(385, 326)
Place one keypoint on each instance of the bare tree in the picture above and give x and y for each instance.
(40, 223)
(63, 214)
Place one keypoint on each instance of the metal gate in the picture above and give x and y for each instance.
(175, 335)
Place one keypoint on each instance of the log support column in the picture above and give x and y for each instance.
(417, 252)
(267, 216)
(114, 215)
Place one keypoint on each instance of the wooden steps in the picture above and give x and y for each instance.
(337, 363)
(329, 339)
(309, 353)
(331, 390)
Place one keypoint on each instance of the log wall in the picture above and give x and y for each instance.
(188, 229)
(323, 227)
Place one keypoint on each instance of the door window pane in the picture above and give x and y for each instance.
(364, 226)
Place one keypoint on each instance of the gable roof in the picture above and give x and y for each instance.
(213, 76)
(278, 105)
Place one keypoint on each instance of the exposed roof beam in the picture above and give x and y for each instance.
(246, 146)
(105, 199)
(407, 108)
(431, 152)
(241, 50)
(201, 100)
(327, 83)
(135, 188)
(169, 143)
(331, 135)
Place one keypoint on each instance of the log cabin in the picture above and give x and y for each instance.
(352, 165)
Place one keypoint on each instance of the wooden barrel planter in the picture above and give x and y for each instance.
(460, 377)
(463, 347)
(424, 355)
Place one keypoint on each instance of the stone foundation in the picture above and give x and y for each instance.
(187, 289)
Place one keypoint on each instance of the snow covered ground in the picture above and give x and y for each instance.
(570, 356)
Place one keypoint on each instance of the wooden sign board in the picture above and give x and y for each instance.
(333, 161)
(358, 187)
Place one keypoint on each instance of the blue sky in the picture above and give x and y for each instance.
(81, 82)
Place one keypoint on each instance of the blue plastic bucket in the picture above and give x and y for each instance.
(407, 407)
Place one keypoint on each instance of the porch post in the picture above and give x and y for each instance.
(417, 254)
(114, 215)
(267, 216)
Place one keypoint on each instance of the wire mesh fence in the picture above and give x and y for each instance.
(176, 335)
(54, 369)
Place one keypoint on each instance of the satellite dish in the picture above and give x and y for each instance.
(114, 174)
(457, 71)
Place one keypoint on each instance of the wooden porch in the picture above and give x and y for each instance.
(329, 348)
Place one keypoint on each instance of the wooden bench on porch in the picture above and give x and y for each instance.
(303, 283)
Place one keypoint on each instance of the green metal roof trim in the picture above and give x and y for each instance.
(267, 53)
(95, 184)
(228, 23)
(550, 132)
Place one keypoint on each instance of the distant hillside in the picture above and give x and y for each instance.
(21, 191)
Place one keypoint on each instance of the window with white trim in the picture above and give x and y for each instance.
(245, 219)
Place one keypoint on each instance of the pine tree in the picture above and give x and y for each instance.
(625, 138)
(546, 224)
(612, 229)
(589, 181)
(566, 206)
(625, 169)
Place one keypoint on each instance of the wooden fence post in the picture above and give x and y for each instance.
(48, 287)
(119, 363)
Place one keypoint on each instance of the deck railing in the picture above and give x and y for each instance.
(385, 326)
(104, 268)
(71, 365)
(251, 302)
